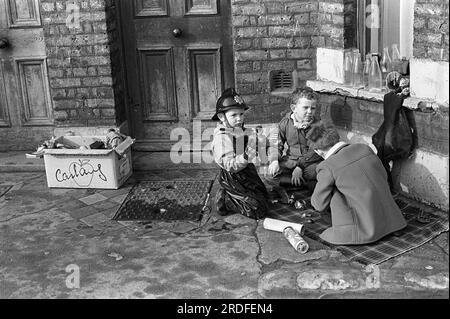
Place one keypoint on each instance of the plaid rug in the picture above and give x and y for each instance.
(165, 200)
(4, 189)
(415, 234)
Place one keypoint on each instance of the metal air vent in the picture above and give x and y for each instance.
(281, 81)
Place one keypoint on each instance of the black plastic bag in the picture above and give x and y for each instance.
(245, 192)
(396, 138)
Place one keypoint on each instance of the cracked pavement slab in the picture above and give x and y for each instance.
(274, 246)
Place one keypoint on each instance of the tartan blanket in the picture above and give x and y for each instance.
(412, 236)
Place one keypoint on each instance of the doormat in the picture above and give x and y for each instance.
(421, 228)
(165, 200)
(4, 189)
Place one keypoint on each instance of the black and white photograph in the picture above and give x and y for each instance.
(226, 155)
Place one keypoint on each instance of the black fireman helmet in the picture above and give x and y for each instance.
(229, 99)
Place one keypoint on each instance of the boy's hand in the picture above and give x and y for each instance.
(297, 177)
(274, 168)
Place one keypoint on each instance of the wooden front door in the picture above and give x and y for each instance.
(25, 105)
(178, 61)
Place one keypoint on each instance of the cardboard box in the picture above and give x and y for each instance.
(88, 168)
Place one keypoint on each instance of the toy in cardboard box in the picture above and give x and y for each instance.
(84, 163)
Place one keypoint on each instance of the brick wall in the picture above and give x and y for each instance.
(280, 35)
(79, 61)
(366, 117)
(431, 29)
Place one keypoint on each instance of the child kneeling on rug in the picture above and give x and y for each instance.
(242, 190)
(352, 182)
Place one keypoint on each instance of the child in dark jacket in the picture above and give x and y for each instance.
(296, 163)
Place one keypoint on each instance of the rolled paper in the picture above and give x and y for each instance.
(295, 240)
(280, 225)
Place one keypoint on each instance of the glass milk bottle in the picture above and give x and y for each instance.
(395, 53)
(357, 70)
(366, 71)
(386, 62)
(375, 77)
(396, 60)
(348, 67)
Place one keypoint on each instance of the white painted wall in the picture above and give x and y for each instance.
(430, 79)
(330, 65)
(424, 177)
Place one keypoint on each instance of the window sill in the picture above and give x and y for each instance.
(413, 103)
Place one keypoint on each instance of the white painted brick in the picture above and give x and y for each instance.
(429, 79)
(330, 65)
(424, 177)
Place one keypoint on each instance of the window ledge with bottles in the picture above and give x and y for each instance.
(413, 103)
(428, 80)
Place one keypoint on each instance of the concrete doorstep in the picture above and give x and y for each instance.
(18, 162)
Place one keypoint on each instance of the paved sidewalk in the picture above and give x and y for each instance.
(46, 234)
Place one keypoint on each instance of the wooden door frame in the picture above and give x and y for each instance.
(129, 130)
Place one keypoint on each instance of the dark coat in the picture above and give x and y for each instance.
(353, 184)
(297, 145)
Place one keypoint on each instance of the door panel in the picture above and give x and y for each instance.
(158, 84)
(4, 113)
(34, 96)
(23, 13)
(24, 88)
(201, 7)
(174, 78)
(149, 8)
(205, 81)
